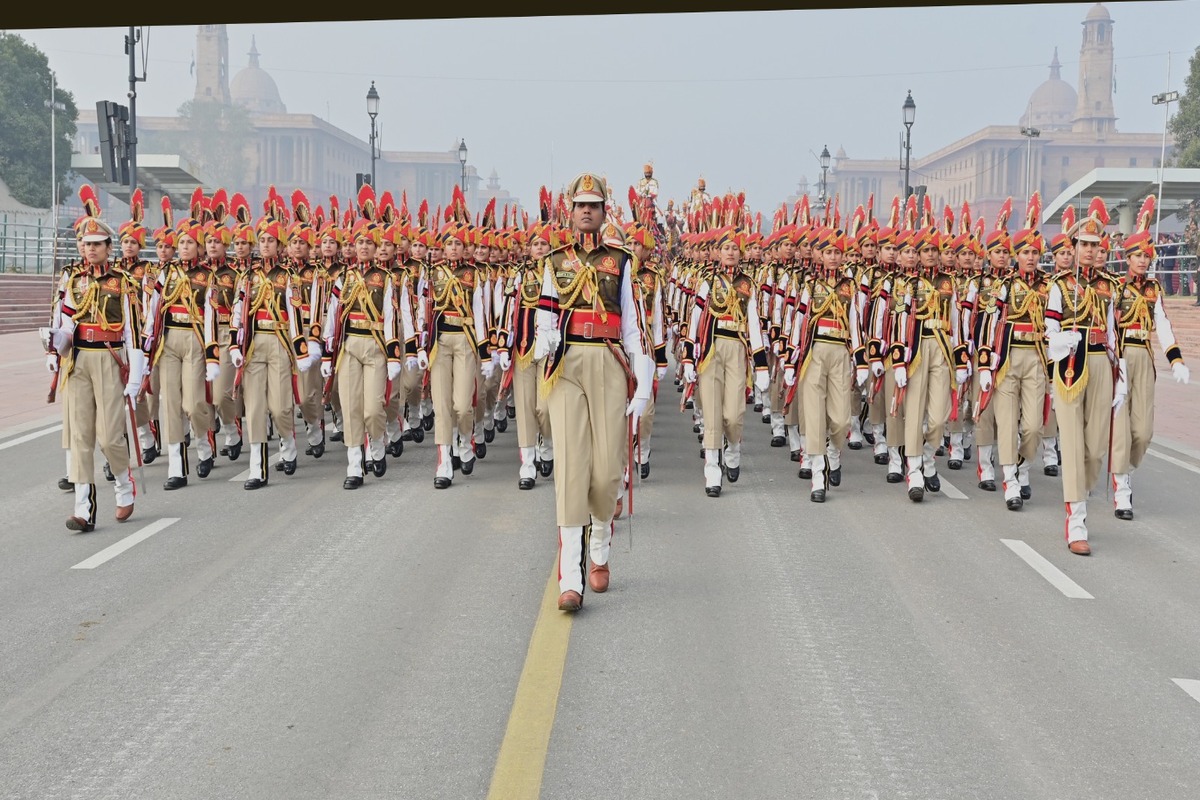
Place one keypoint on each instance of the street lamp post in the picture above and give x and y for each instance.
(824, 175)
(372, 112)
(910, 116)
(462, 161)
(1163, 99)
(53, 105)
(1030, 133)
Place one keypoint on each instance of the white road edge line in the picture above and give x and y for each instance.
(1047, 570)
(244, 475)
(950, 489)
(1190, 686)
(114, 550)
(1173, 460)
(30, 436)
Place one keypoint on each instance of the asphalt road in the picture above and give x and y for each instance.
(303, 641)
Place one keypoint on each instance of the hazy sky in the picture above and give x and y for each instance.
(744, 99)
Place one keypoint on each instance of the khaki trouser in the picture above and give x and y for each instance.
(452, 387)
(228, 409)
(826, 388)
(587, 415)
(1133, 422)
(533, 416)
(985, 426)
(879, 403)
(895, 424)
(182, 388)
(926, 399)
(1083, 426)
(721, 385)
(267, 388)
(312, 405)
(95, 406)
(361, 381)
(1017, 401)
(646, 425)
(412, 384)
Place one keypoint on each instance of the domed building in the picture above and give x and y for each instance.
(254, 89)
(1051, 107)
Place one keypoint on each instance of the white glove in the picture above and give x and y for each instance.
(304, 363)
(876, 368)
(985, 380)
(212, 371)
(901, 376)
(961, 374)
(327, 369)
(660, 373)
(1062, 344)
(777, 348)
(1180, 371)
(131, 389)
(61, 339)
(504, 360)
(52, 363)
(488, 368)
(789, 376)
(637, 407)
(547, 342)
(235, 358)
(314, 349)
(643, 374)
(422, 360)
(393, 370)
(861, 376)
(1121, 390)
(410, 362)
(762, 380)
(689, 373)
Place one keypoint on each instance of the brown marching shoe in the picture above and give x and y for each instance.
(79, 524)
(1080, 548)
(598, 578)
(570, 601)
(124, 512)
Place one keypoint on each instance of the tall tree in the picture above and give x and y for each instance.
(213, 137)
(1185, 125)
(25, 140)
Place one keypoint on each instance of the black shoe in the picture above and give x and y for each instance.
(511, 412)
(679, 388)
(854, 445)
(456, 463)
(1124, 513)
(733, 473)
(954, 463)
(468, 467)
(835, 477)
(234, 451)
(108, 474)
(489, 435)
(204, 467)
(224, 452)
(216, 425)
(766, 418)
(758, 408)
(933, 483)
(700, 438)
(881, 458)
(279, 465)
(712, 491)
(869, 438)
(352, 482)
(695, 428)
(966, 454)
(817, 496)
(328, 408)
(805, 474)
(645, 470)
(418, 434)
(502, 424)
(66, 485)
(427, 423)
(175, 483)
(894, 477)
(289, 467)
(318, 450)
(336, 436)
(254, 483)
(941, 451)
(795, 456)
(308, 450)
(481, 449)
(379, 467)
(1014, 503)
(987, 486)
(441, 483)
(1026, 492)
(546, 468)
(688, 405)
(1051, 470)
(916, 494)
(395, 449)
(525, 483)
(778, 441)
(407, 435)
(149, 454)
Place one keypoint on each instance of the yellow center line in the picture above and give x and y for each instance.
(522, 758)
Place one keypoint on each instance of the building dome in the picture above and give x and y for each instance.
(255, 90)
(1098, 12)
(1052, 105)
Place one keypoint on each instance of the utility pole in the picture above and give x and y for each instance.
(132, 38)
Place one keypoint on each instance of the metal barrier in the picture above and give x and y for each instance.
(31, 247)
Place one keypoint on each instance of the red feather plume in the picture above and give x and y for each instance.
(91, 203)
(137, 206)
